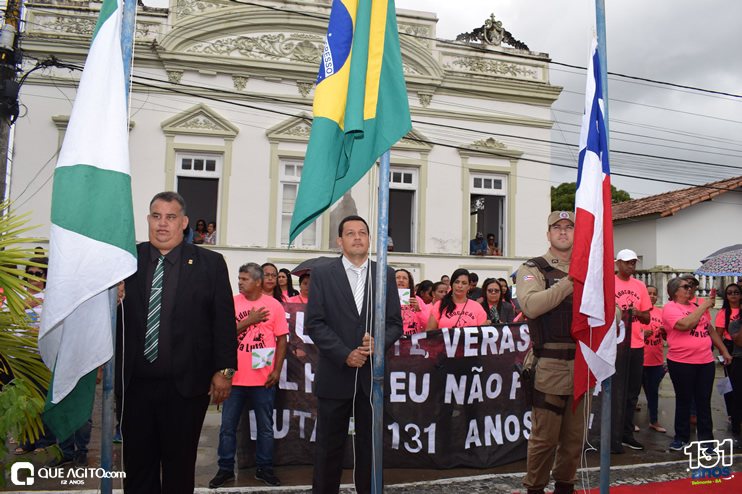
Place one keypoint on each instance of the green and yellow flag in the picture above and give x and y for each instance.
(360, 105)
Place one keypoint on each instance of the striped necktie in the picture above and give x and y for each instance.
(360, 283)
(153, 317)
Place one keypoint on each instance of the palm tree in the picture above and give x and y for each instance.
(23, 376)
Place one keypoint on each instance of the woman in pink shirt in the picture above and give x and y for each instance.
(455, 310)
(440, 289)
(270, 282)
(303, 296)
(654, 358)
(690, 359)
(729, 313)
(415, 313)
(286, 284)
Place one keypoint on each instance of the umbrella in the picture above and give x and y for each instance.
(307, 265)
(725, 264)
(721, 251)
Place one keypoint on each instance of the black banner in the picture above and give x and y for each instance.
(452, 399)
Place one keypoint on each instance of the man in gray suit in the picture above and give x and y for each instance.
(339, 318)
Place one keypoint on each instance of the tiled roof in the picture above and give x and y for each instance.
(668, 203)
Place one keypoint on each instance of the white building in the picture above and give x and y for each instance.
(681, 227)
(220, 111)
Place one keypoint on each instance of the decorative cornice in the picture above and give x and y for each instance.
(67, 24)
(192, 7)
(200, 120)
(174, 76)
(304, 88)
(496, 67)
(240, 82)
(424, 99)
(489, 147)
(490, 143)
(295, 47)
(200, 123)
(420, 30)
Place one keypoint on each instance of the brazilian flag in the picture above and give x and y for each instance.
(360, 105)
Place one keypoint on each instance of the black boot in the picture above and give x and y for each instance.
(563, 488)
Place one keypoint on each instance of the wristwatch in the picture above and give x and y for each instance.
(228, 373)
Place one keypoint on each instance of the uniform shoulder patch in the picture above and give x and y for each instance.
(530, 264)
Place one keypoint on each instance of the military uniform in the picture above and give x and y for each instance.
(554, 425)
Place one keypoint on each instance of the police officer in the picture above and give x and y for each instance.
(545, 295)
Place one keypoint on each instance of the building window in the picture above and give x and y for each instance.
(488, 197)
(403, 208)
(197, 180)
(289, 178)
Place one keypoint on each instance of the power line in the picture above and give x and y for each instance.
(418, 122)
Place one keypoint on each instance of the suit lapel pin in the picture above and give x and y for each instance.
(190, 261)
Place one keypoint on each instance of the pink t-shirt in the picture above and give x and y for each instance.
(653, 349)
(415, 321)
(686, 347)
(720, 321)
(633, 293)
(254, 346)
(298, 299)
(465, 315)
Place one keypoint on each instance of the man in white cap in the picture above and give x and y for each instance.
(632, 295)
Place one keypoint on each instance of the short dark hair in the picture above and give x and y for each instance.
(212, 223)
(40, 260)
(473, 277)
(350, 218)
(490, 235)
(170, 196)
(303, 276)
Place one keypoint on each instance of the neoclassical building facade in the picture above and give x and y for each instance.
(221, 105)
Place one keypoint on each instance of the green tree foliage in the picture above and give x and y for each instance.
(563, 196)
(25, 376)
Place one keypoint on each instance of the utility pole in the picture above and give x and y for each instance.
(10, 58)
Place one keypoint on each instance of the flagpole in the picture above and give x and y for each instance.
(107, 420)
(605, 411)
(380, 326)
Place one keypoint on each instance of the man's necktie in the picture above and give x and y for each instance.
(360, 282)
(153, 317)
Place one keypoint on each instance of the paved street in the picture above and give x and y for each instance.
(653, 464)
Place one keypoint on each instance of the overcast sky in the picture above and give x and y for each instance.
(679, 41)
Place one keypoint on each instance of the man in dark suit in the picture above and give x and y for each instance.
(339, 318)
(177, 342)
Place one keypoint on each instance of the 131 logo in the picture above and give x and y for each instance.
(709, 459)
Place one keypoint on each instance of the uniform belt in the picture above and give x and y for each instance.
(565, 354)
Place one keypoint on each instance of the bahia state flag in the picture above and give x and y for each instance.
(91, 242)
(594, 303)
(360, 105)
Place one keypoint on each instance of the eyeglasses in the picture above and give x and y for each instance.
(35, 273)
(493, 290)
(269, 275)
(686, 287)
(733, 292)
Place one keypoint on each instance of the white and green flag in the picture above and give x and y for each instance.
(91, 242)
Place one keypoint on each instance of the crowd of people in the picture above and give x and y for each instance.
(167, 387)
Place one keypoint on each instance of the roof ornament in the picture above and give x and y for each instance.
(492, 33)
